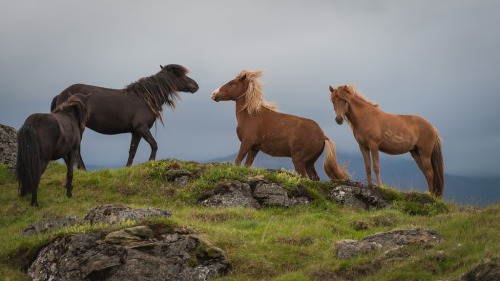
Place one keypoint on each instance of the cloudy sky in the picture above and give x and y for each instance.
(436, 59)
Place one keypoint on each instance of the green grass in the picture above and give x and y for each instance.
(273, 243)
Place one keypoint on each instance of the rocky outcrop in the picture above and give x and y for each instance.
(8, 146)
(154, 251)
(137, 253)
(367, 198)
(386, 241)
(257, 192)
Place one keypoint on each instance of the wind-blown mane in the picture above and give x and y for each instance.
(254, 95)
(75, 103)
(159, 89)
(347, 92)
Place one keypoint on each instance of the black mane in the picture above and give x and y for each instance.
(160, 89)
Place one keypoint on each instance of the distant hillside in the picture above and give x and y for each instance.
(401, 173)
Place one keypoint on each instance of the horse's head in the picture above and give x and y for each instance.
(232, 90)
(179, 81)
(340, 100)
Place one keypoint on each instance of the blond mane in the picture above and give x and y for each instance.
(254, 94)
(347, 92)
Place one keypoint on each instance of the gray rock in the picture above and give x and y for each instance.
(387, 240)
(270, 195)
(86, 257)
(51, 224)
(368, 198)
(8, 146)
(128, 235)
(232, 194)
(111, 214)
(174, 174)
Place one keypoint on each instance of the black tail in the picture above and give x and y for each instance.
(28, 161)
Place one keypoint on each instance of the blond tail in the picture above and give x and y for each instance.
(438, 168)
(333, 171)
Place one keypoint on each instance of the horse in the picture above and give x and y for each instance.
(49, 136)
(393, 134)
(133, 109)
(262, 128)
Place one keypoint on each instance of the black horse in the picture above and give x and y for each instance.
(45, 137)
(133, 109)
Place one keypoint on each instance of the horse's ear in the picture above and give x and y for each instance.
(242, 78)
(161, 66)
(331, 89)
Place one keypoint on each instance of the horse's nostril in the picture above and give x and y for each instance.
(339, 120)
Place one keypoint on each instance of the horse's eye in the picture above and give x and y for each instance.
(230, 83)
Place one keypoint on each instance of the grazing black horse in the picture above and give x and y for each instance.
(45, 137)
(133, 109)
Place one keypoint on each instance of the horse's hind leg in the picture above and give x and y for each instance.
(250, 157)
(425, 156)
(311, 172)
(300, 167)
(134, 143)
(416, 156)
(79, 162)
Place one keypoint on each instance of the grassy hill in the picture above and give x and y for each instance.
(296, 243)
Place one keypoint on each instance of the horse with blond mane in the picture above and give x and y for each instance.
(262, 128)
(393, 134)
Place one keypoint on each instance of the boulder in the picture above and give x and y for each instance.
(270, 195)
(386, 241)
(150, 255)
(367, 198)
(8, 146)
(111, 214)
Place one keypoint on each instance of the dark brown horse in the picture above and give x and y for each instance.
(376, 130)
(133, 109)
(261, 128)
(45, 137)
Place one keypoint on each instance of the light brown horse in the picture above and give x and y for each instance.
(262, 128)
(393, 134)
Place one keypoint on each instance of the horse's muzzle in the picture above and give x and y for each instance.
(339, 120)
(215, 97)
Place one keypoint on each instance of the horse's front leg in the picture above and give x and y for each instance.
(69, 160)
(368, 165)
(244, 149)
(376, 166)
(146, 135)
(134, 143)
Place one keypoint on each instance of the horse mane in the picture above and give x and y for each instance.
(159, 89)
(347, 92)
(254, 94)
(75, 103)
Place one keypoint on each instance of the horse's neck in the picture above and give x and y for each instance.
(241, 113)
(359, 109)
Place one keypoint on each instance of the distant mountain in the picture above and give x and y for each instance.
(399, 172)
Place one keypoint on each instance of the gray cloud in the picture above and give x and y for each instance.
(435, 59)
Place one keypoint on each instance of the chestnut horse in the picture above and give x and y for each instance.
(45, 137)
(393, 134)
(261, 128)
(133, 109)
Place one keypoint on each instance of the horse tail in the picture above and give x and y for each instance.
(332, 169)
(438, 168)
(28, 160)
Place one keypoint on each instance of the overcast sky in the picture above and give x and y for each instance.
(436, 59)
